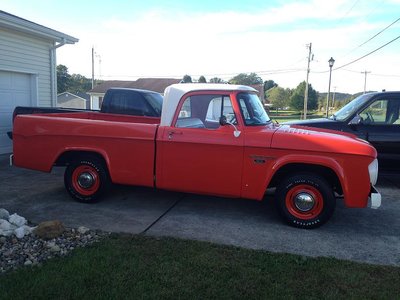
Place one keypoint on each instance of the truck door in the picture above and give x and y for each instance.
(381, 121)
(196, 154)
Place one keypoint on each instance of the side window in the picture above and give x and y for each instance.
(381, 112)
(189, 116)
(215, 106)
(204, 111)
(186, 111)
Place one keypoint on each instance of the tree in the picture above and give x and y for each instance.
(74, 83)
(216, 80)
(297, 98)
(187, 79)
(278, 97)
(202, 79)
(79, 84)
(246, 79)
(269, 84)
(63, 79)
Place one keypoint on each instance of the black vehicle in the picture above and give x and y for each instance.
(373, 117)
(124, 101)
(134, 102)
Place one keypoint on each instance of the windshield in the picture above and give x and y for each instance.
(155, 100)
(252, 110)
(350, 108)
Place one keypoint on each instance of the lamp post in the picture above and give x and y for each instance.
(331, 61)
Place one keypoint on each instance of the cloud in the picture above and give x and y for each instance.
(174, 43)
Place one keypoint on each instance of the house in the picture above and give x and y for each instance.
(27, 68)
(151, 84)
(69, 100)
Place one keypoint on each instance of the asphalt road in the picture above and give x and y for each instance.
(363, 235)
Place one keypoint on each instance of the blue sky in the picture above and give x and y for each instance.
(223, 38)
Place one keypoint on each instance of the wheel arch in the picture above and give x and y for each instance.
(65, 158)
(327, 172)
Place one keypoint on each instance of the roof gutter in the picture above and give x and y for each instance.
(53, 73)
(62, 43)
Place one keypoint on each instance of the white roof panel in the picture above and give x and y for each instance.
(175, 92)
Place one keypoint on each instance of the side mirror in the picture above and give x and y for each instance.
(356, 120)
(223, 121)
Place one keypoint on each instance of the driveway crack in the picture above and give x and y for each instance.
(162, 215)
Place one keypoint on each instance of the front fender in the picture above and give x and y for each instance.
(314, 160)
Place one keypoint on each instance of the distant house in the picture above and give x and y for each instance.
(69, 100)
(151, 84)
(27, 68)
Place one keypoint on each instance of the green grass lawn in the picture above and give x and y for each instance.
(289, 115)
(137, 267)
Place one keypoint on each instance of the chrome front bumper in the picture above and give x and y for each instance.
(374, 199)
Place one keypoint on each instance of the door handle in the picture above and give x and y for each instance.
(171, 133)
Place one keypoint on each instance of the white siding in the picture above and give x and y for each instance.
(22, 53)
(15, 90)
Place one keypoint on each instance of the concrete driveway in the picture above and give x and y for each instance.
(363, 235)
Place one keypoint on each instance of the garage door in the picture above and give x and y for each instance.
(15, 90)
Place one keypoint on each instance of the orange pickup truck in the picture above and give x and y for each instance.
(212, 139)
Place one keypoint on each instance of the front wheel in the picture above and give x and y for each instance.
(305, 200)
(86, 179)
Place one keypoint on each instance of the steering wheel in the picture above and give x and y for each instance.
(232, 119)
(370, 118)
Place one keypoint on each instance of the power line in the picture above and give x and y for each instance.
(358, 72)
(351, 8)
(385, 75)
(373, 51)
(394, 22)
(352, 71)
(266, 72)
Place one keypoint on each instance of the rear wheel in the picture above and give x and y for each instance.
(305, 200)
(86, 179)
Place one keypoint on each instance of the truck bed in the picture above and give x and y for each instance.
(41, 139)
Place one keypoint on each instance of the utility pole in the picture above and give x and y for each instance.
(333, 98)
(365, 79)
(309, 58)
(92, 67)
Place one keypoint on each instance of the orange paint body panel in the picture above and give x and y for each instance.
(127, 146)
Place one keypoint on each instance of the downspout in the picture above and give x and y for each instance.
(53, 73)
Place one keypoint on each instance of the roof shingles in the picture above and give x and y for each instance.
(152, 84)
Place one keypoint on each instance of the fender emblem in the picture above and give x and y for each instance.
(259, 159)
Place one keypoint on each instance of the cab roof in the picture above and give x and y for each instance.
(175, 92)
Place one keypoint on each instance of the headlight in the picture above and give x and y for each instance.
(373, 171)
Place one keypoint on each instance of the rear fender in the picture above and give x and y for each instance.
(70, 153)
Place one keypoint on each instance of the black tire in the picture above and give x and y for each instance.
(86, 179)
(305, 200)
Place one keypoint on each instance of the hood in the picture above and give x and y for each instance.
(310, 122)
(320, 140)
